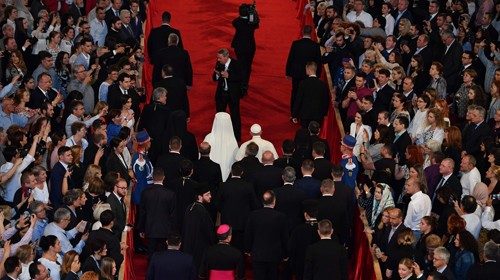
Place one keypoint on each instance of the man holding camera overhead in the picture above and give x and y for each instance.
(244, 41)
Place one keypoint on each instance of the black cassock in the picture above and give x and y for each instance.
(198, 233)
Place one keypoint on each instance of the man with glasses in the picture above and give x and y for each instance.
(117, 203)
(440, 262)
(39, 209)
(81, 82)
(62, 218)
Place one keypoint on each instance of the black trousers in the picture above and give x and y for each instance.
(245, 58)
(265, 270)
(293, 97)
(222, 101)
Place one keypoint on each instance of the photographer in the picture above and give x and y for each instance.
(11, 155)
(243, 41)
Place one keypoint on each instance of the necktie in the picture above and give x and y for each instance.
(125, 92)
(116, 13)
(393, 230)
(441, 183)
(123, 205)
(130, 30)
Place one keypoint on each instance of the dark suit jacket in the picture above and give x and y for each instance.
(207, 171)
(90, 265)
(170, 164)
(335, 210)
(75, 12)
(155, 120)
(112, 243)
(383, 100)
(185, 194)
(452, 65)
(399, 146)
(390, 246)
(266, 235)
(116, 165)
(157, 211)
(289, 202)
(37, 98)
(244, 39)
(312, 100)
(427, 56)
(448, 273)
(110, 14)
(176, 57)
(326, 259)
(285, 161)
(301, 52)
(453, 183)
(315, 138)
(472, 137)
(180, 266)
(113, 38)
(322, 169)
(233, 81)
(158, 39)
(486, 271)
(236, 200)
(267, 177)
(310, 186)
(115, 93)
(250, 166)
(177, 98)
(120, 215)
(127, 36)
(370, 119)
(56, 178)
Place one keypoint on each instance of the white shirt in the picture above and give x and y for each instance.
(469, 181)
(54, 267)
(487, 219)
(472, 224)
(419, 206)
(364, 17)
(98, 31)
(389, 24)
(264, 145)
(42, 194)
(417, 124)
(14, 183)
(72, 119)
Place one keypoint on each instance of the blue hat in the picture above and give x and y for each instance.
(142, 137)
(349, 141)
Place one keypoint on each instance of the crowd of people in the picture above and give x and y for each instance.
(416, 84)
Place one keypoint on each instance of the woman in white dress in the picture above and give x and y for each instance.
(358, 130)
(418, 123)
(223, 143)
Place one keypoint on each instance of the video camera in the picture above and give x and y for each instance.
(250, 11)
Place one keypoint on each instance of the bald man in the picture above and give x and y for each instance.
(205, 169)
(268, 176)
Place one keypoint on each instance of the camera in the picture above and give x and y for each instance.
(219, 67)
(33, 40)
(23, 152)
(250, 11)
(495, 196)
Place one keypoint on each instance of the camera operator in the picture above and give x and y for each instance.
(244, 42)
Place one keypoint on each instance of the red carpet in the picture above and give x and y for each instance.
(205, 27)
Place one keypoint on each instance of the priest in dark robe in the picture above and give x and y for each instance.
(199, 229)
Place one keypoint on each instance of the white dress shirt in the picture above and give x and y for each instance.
(472, 224)
(419, 206)
(469, 181)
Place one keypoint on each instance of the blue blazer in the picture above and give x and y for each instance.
(171, 264)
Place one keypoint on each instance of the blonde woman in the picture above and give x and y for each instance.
(435, 128)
